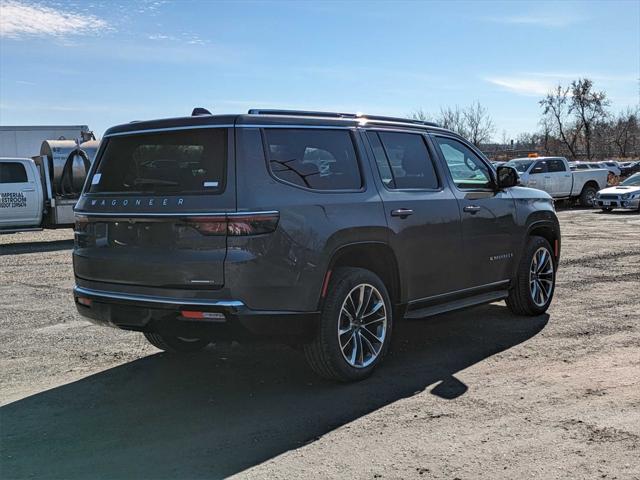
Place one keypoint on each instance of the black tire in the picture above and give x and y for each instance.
(174, 344)
(588, 196)
(607, 209)
(521, 298)
(325, 354)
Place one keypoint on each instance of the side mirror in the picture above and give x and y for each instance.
(507, 177)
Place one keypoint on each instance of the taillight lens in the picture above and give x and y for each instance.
(235, 225)
(253, 224)
(208, 225)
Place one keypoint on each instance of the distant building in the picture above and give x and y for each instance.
(25, 141)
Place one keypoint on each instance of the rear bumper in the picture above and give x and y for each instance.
(163, 313)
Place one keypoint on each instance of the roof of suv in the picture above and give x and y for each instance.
(273, 117)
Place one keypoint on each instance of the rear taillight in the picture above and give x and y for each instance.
(208, 225)
(252, 224)
(235, 224)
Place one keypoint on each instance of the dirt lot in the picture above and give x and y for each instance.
(474, 394)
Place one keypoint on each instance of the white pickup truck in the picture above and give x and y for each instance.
(553, 175)
(41, 192)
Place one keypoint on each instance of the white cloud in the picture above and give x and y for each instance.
(540, 83)
(523, 86)
(20, 19)
(556, 20)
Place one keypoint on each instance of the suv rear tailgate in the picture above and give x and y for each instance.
(154, 210)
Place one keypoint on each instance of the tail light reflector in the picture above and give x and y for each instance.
(211, 316)
(85, 301)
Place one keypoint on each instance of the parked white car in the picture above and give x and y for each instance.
(553, 175)
(612, 166)
(626, 195)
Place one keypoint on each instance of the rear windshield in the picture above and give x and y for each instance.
(184, 161)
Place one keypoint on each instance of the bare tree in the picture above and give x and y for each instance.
(626, 132)
(557, 105)
(453, 119)
(478, 124)
(420, 114)
(589, 107)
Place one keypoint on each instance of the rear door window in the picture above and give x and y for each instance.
(403, 160)
(13, 172)
(556, 166)
(171, 162)
(312, 158)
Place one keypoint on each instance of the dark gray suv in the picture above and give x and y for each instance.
(311, 228)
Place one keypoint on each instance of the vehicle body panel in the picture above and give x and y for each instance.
(21, 202)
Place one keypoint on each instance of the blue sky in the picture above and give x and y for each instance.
(109, 62)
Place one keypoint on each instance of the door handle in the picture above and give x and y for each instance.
(472, 209)
(32, 189)
(401, 212)
(547, 176)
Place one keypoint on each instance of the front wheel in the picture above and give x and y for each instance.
(175, 344)
(607, 209)
(355, 327)
(535, 280)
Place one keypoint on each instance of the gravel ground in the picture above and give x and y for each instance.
(473, 394)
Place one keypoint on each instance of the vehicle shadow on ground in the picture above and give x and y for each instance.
(223, 411)
(35, 247)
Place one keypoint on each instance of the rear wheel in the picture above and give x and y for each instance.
(535, 280)
(355, 327)
(175, 344)
(588, 196)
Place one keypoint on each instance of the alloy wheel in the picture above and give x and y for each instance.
(541, 277)
(362, 325)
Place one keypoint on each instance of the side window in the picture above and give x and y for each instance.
(467, 169)
(556, 166)
(403, 160)
(313, 158)
(540, 167)
(381, 160)
(13, 172)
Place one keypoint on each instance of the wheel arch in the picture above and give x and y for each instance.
(548, 230)
(377, 257)
(590, 183)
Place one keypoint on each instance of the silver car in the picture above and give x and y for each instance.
(626, 195)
